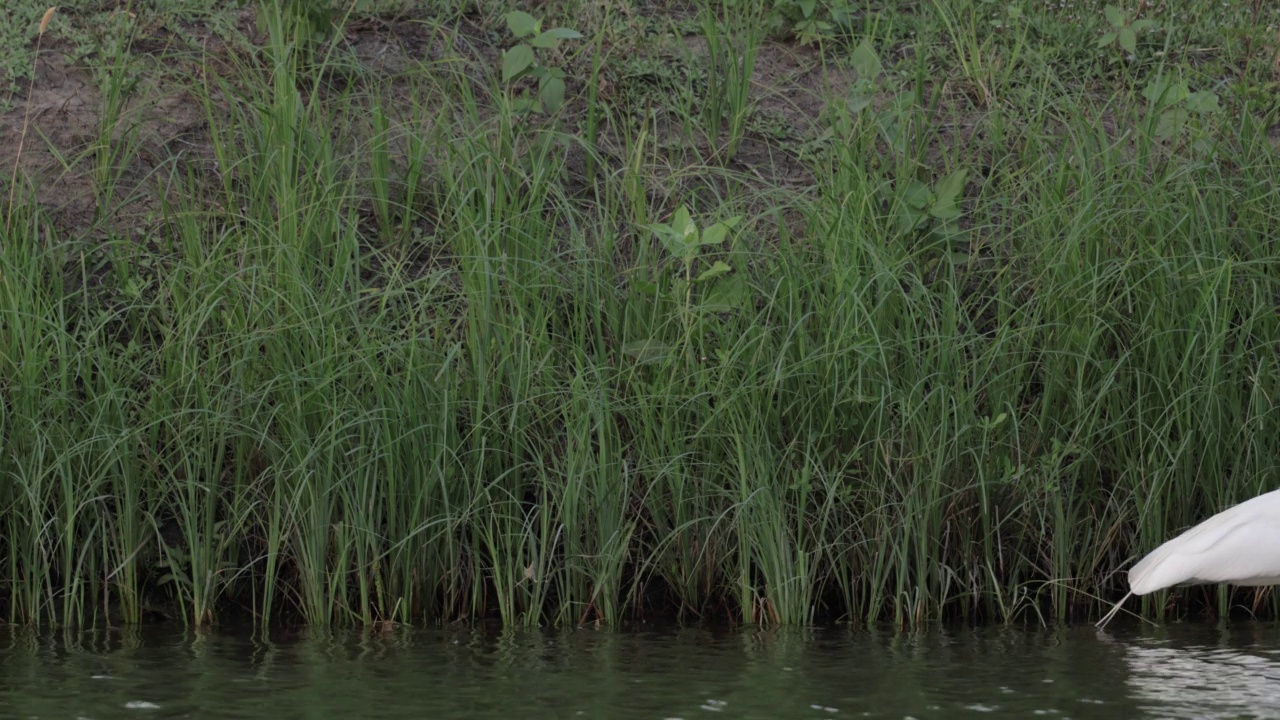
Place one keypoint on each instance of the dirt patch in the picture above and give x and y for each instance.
(61, 121)
(162, 123)
(88, 146)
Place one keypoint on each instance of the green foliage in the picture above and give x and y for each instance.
(734, 35)
(384, 352)
(520, 60)
(685, 242)
(317, 19)
(809, 21)
(1180, 113)
(710, 290)
(1123, 34)
(919, 204)
(988, 49)
(867, 64)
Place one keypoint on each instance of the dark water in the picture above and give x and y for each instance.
(1178, 671)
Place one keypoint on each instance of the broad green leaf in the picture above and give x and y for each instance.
(812, 30)
(717, 269)
(523, 104)
(944, 210)
(515, 61)
(866, 62)
(714, 235)
(891, 118)
(645, 287)
(909, 219)
(648, 350)
(552, 37)
(948, 189)
(1203, 102)
(806, 7)
(1114, 15)
(671, 238)
(950, 233)
(886, 192)
(552, 94)
(1205, 147)
(564, 33)
(1140, 25)
(857, 102)
(673, 242)
(730, 293)
(1164, 92)
(1156, 89)
(917, 195)
(1128, 40)
(521, 24)
(544, 40)
(1171, 121)
(1106, 39)
(682, 223)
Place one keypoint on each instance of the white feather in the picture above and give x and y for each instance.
(1240, 545)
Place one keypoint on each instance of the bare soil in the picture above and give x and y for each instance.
(48, 139)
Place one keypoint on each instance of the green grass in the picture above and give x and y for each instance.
(391, 348)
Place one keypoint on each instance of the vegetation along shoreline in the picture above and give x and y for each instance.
(763, 312)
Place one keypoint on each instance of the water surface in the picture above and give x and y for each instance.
(1177, 671)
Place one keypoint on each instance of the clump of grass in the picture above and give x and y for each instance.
(733, 33)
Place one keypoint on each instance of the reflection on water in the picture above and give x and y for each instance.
(1181, 671)
(1204, 672)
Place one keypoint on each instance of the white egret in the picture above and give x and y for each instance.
(1240, 546)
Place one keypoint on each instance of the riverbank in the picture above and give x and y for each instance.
(359, 318)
